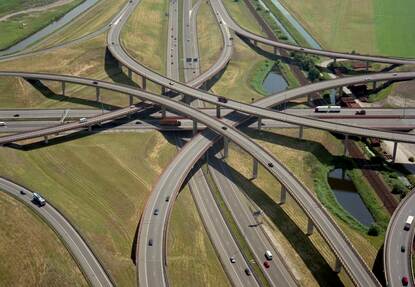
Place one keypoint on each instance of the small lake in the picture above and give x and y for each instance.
(348, 197)
(65, 19)
(274, 83)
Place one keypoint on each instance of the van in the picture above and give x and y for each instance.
(268, 255)
(38, 199)
(2, 124)
(83, 120)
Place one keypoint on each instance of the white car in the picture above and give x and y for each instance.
(2, 124)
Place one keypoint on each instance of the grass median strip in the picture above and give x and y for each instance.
(234, 229)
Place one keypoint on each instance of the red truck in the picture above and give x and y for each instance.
(170, 122)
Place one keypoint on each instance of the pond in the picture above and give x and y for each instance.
(346, 194)
(50, 28)
(274, 83)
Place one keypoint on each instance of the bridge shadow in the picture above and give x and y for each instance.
(114, 72)
(320, 153)
(48, 93)
(211, 82)
(309, 254)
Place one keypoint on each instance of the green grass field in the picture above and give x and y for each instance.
(21, 26)
(192, 260)
(32, 254)
(372, 26)
(101, 183)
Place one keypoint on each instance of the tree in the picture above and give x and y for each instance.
(313, 74)
(373, 230)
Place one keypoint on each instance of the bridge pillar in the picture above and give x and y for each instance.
(310, 227)
(395, 149)
(144, 83)
(374, 85)
(275, 51)
(334, 60)
(259, 123)
(254, 168)
(367, 66)
(63, 88)
(163, 112)
(194, 127)
(98, 94)
(340, 92)
(218, 111)
(309, 100)
(301, 132)
(255, 43)
(130, 74)
(46, 140)
(89, 128)
(225, 147)
(337, 266)
(283, 196)
(346, 142)
(163, 90)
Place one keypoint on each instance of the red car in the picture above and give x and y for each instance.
(405, 281)
(266, 264)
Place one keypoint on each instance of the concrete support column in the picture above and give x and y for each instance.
(309, 100)
(225, 147)
(337, 266)
(275, 51)
(395, 149)
(98, 94)
(346, 142)
(194, 127)
(144, 84)
(89, 128)
(334, 60)
(283, 197)
(310, 227)
(130, 74)
(259, 123)
(163, 112)
(63, 88)
(131, 100)
(255, 43)
(301, 132)
(254, 168)
(218, 111)
(46, 139)
(374, 85)
(163, 90)
(340, 92)
(367, 66)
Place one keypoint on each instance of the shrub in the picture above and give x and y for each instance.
(373, 230)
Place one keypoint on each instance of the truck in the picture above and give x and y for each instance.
(38, 199)
(170, 122)
(408, 223)
(327, 109)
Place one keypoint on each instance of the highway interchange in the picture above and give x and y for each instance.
(151, 261)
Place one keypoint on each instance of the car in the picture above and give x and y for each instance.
(167, 198)
(395, 74)
(83, 120)
(171, 83)
(2, 124)
(405, 281)
(270, 164)
(232, 259)
(16, 115)
(156, 211)
(368, 79)
(224, 128)
(403, 248)
(222, 100)
(150, 242)
(22, 192)
(266, 264)
(132, 107)
(361, 112)
(95, 82)
(248, 271)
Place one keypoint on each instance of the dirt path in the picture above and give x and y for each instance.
(37, 9)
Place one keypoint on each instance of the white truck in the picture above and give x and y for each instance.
(408, 223)
(327, 109)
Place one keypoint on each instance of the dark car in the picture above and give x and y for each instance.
(16, 115)
(22, 192)
(248, 271)
(405, 281)
(167, 198)
(270, 164)
(361, 112)
(403, 248)
(266, 264)
(156, 211)
(222, 100)
(224, 128)
(95, 82)
(150, 242)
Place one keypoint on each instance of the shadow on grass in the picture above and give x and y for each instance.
(114, 72)
(315, 262)
(48, 93)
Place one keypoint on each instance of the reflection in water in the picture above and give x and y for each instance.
(348, 197)
(274, 83)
